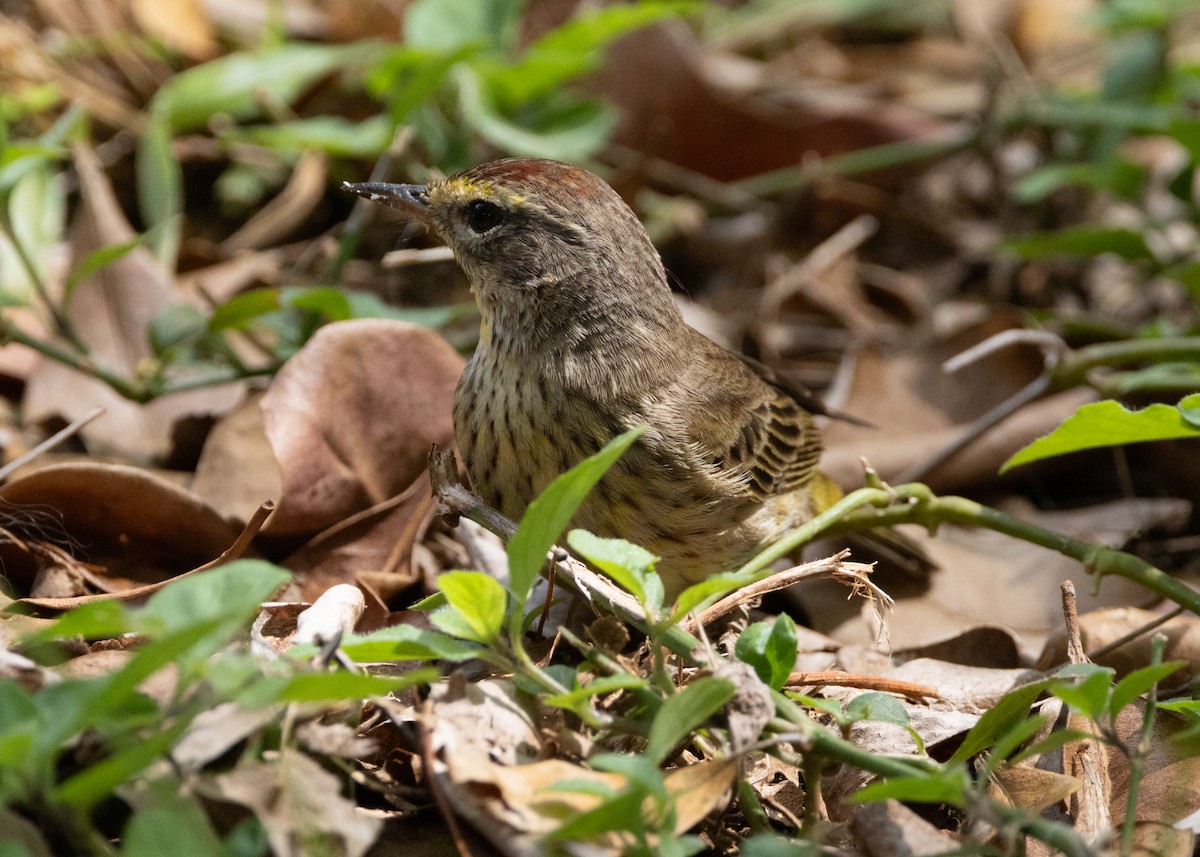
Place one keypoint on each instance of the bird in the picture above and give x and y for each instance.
(581, 340)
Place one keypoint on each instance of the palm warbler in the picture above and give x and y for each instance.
(580, 340)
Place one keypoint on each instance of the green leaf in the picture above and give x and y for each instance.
(603, 684)
(774, 845)
(479, 599)
(1000, 719)
(684, 712)
(574, 136)
(619, 812)
(95, 621)
(769, 647)
(450, 24)
(1123, 178)
(878, 707)
(98, 781)
(241, 309)
(97, 259)
(175, 329)
(700, 595)
(575, 48)
(1090, 694)
(549, 514)
(339, 137)
(406, 643)
(160, 188)
(323, 687)
(177, 826)
(945, 788)
(1080, 241)
(231, 594)
(239, 84)
(629, 565)
(1138, 682)
(1109, 423)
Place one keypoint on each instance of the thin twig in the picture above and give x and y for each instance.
(1157, 622)
(50, 442)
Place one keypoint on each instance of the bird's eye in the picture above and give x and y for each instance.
(483, 215)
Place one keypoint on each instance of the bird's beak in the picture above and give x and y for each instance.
(413, 198)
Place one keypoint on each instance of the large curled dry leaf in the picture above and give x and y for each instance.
(352, 416)
(128, 525)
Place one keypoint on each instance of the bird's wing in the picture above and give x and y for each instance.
(749, 428)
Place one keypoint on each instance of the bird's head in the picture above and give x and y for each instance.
(550, 238)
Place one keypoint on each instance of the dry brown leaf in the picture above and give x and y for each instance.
(684, 102)
(1102, 627)
(986, 577)
(217, 730)
(371, 548)
(135, 526)
(352, 416)
(180, 24)
(287, 209)
(526, 797)
(299, 804)
(890, 829)
(275, 627)
(237, 470)
(483, 719)
(917, 409)
(1031, 788)
(111, 311)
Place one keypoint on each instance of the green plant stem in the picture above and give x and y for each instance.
(81, 361)
(1141, 751)
(1074, 369)
(916, 504)
(857, 162)
(61, 323)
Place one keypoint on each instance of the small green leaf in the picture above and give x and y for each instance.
(1138, 682)
(702, 594)
(479, 599)
(1080, 241)
(95, 621)
(240, 84)
(946, 788)
(1109, 423)
(573, 134)
(877, 707)
(684, 712)
(603, 684)
(160, 189)
(97, 259)
(176, 826)
(338, 137)
(451, 24)
(549, 514)
(998, 720)
(98, 781)
(769, 647)
(406, 643)
(241, 309)
(175, 329)
(323, 687)
(629, 565)
(231, 593)
(1090, 694)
